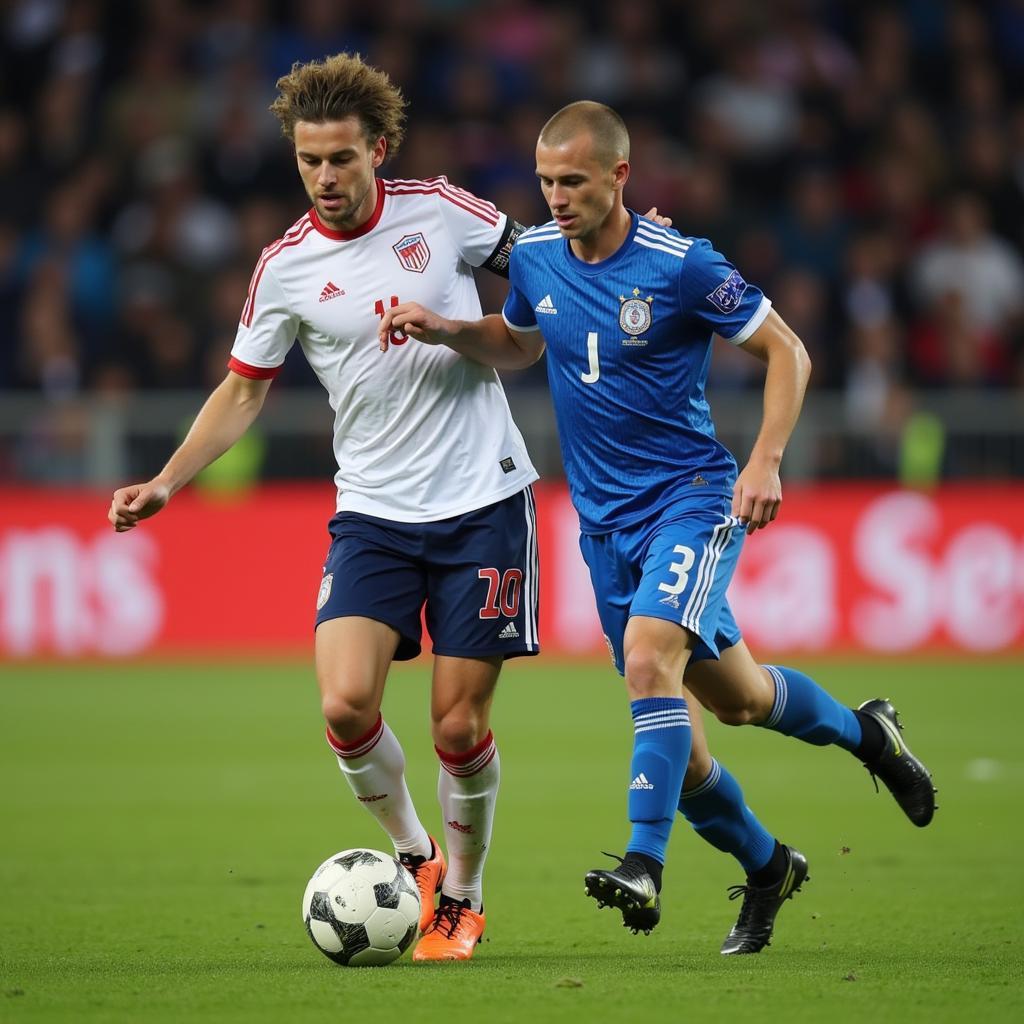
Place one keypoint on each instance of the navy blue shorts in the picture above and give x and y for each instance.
(476, 575)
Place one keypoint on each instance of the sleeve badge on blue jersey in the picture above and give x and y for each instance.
(635, 313)
(728, 294)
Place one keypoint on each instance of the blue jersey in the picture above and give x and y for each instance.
(628, 348)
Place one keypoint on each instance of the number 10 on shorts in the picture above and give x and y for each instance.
(503, 592)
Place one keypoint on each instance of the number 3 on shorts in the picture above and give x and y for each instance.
(680, 569)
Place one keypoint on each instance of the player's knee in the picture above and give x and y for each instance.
(646, 674)
(736, 714)
(348, 719)
(458, 731)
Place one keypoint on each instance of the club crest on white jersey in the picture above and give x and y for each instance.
(413, 252)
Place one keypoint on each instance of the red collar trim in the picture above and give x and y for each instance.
(347, 236)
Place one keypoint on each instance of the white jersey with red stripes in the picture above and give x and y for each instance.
(420, 432)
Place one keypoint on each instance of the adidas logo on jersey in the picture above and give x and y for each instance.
(509, 632)
(545, 306)
(640, 782)
(331, 291)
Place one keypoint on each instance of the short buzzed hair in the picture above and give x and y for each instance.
(601, 123)
(338, 87)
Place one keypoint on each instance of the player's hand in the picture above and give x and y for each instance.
(652, 214)
(135, 502)
(757, 496)
(414, 320)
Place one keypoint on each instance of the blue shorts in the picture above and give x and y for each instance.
(675, 566)
(476, 574)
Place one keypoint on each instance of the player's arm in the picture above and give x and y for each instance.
(223, 419)
(489, 341)
(758, 492)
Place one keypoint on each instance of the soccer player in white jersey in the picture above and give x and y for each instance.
(434, 505)
(626, 312)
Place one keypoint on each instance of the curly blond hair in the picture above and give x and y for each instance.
(338, 87)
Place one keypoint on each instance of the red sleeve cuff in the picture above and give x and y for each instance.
(253, 372)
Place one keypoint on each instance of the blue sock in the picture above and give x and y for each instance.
(716, 810)
(661, 749)
(804, 710)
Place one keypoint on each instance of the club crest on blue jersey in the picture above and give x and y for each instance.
(412, 252)
(728, 294)
(635, 314)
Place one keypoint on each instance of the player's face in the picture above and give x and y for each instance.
(337, 162)
(579, 189)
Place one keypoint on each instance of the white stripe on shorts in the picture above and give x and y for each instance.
(531, 584)
(695, 607)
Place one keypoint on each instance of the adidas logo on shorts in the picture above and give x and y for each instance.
(509, 632)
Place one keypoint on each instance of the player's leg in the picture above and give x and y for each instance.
(651, 650)
(481, 609)
(353, 655)
(740, 691)
(367, 616)
(714, 805)
(467, 786)
(655, 655)
(712, 802)
(467, 790)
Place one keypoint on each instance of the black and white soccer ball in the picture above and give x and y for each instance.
(361, 908)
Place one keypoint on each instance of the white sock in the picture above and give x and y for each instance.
(374, 766)
(467, 787)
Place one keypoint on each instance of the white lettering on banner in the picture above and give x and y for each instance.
(129, 602)
(888, 549)
(975, 590)
(784, 595)
(65, 595)
(983, 588)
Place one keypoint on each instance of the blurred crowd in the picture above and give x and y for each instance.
(862, 161)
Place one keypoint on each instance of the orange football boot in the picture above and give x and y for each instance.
(428, 874)
(452, 935)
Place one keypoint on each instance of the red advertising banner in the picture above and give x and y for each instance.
(848, 568)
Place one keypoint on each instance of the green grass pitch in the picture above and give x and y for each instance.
(158, 824)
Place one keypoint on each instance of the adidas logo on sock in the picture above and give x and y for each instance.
(331, 291)
(509, 632)
(545, 306)
(640, 782)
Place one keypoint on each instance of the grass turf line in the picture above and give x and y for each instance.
(160, 823)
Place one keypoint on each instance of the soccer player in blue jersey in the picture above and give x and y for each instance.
(626, 311)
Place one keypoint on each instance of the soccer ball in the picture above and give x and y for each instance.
(361, 908)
